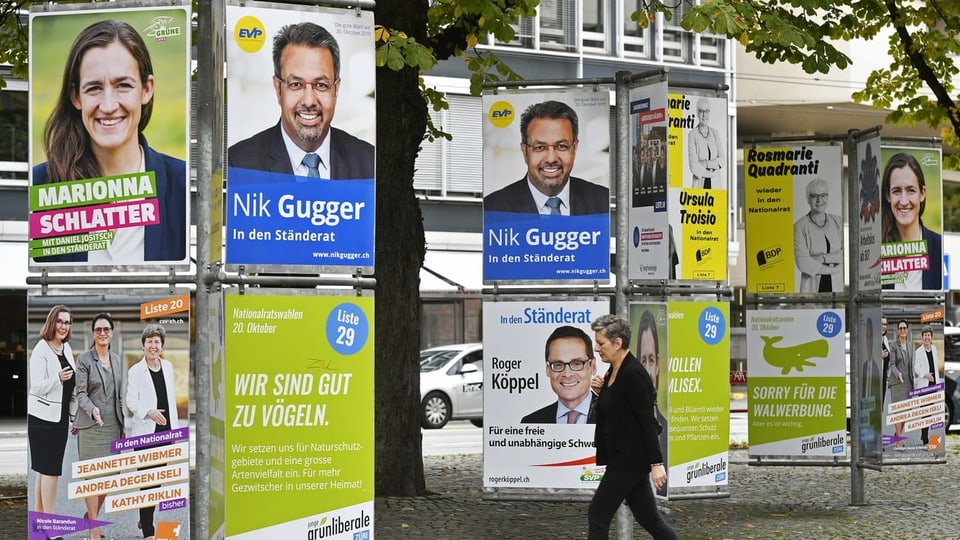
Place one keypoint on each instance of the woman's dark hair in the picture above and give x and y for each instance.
(887, 220)
(65, 140)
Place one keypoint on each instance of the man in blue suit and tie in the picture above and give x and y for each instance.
(549, 138)
(306, 79)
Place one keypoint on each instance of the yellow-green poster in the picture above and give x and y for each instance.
(698, 172)
(796, 189)
(698, 387)
(796, 385)
(299, 417)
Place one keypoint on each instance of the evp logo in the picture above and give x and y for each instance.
(769, 256)
(249, 34)
(501, 114)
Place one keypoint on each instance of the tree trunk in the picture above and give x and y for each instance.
(400, 248)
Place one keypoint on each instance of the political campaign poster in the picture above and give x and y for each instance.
(698, 175)
(109, 138)
(797, 189)
(216, 528)
(868, 182)
(539, 409)
(698, 393)
(652, 247)
(868, 353)
(546, 185)
(300, 160)
(911, 219)
(107, 425)
(914, 408)
(298, 434)
(796, 388)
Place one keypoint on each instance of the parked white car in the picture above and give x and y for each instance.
(451, 384)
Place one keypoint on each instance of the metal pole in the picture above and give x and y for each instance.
(853, 318)
(624, 517)
(208, 161)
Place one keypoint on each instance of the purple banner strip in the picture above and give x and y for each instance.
(150, 439)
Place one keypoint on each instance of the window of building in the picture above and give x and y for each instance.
(636, 40)
(595, 16)
(14, 145)
(452, 167)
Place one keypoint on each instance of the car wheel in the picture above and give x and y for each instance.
(477, 422)
(436, 410)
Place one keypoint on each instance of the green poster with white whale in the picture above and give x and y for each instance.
(298, 442)
(797, 395)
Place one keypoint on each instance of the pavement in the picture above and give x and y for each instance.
(914, 502)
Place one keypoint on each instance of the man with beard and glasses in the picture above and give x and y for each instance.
(306, 78)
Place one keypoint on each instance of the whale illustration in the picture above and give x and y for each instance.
(793, 357)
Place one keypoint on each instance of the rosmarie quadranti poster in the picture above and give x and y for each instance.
(279, 212)
(652, 249)
(913, 406)
(124, 436)
(299, 417)
(797, 400)
(109, 182)
(798, 189)
(868, 180)
(698, 385)
(527, 442)
(564, 159)
(911, 212)
(699, 172)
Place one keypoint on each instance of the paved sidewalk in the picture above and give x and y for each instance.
(914, 502)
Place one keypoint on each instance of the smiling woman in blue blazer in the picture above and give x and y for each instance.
(626, 436)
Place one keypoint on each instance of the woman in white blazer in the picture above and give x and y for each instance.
(151, 399)
(49, 405)
(926, 368)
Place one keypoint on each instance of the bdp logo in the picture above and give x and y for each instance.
(501, 114)
(703, 254)
(168, 530)
(769, 256)
(249, 34)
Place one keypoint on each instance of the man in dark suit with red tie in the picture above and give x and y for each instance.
(570, 367)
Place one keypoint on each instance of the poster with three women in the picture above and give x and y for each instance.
(109, 136)
(797, 190)
(108, 403)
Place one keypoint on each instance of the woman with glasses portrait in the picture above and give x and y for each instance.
(99, 397)
(818, 243)
(50, 404)
(899, 378)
